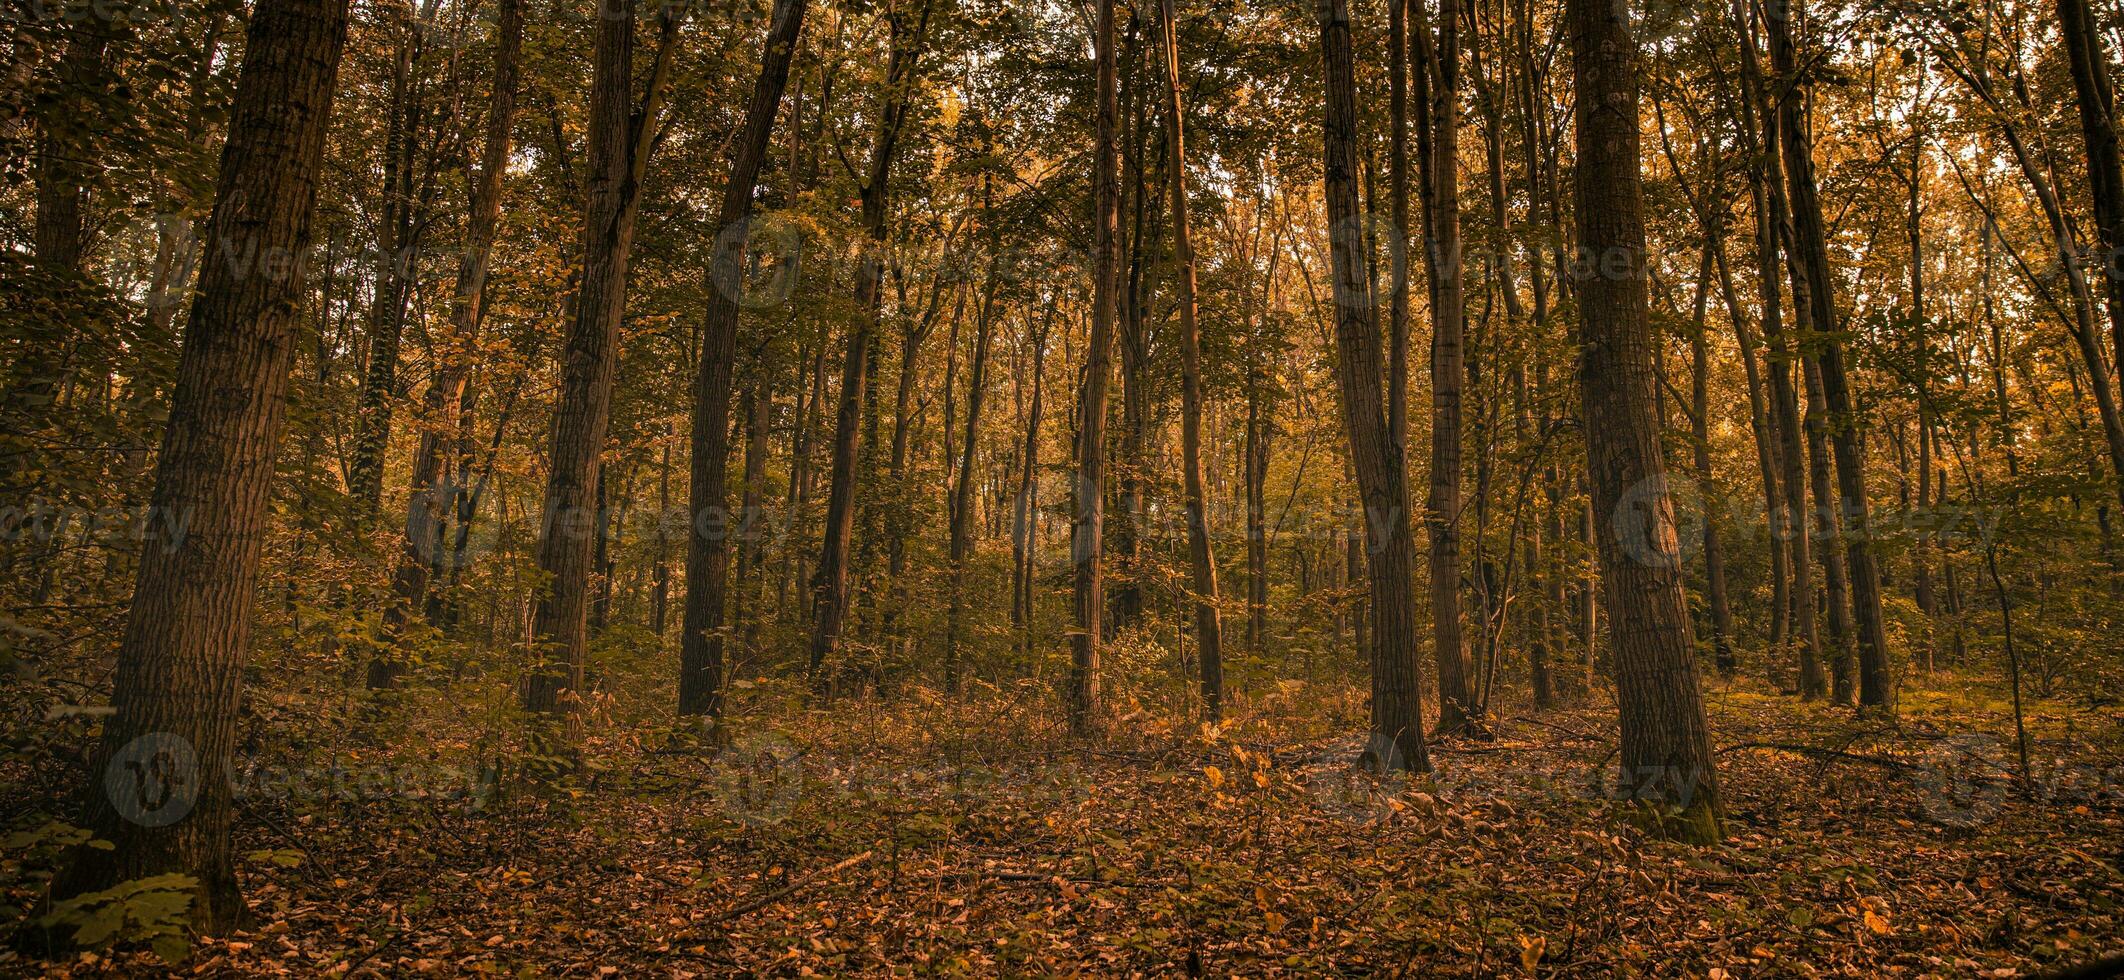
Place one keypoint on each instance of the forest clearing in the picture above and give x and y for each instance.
(590, 488)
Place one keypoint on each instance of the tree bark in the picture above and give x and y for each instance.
(1448, 373)
(1396, 738)
(1087, 532)
(1812, 254)
(160, 784)
(619, 143)
(1666, 742)
(832, 581)
(707, 537)
(1208, 628)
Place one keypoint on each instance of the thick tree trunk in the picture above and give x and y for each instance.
(159, 788)
(708, 537)
(619, 145)
(1396, 739)
(1666, 743)
(1088, 529)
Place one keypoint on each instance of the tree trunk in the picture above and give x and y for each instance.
(432, 497)
(160, 786)
(1088, 530)
(1666, 743)
(1208, 629)
(1700, 433)
(1767, 189)
(1448, 374)
(1025, 521)
(2105, 168)
(1812, 254)
(1396, 739)
(618, 150)
(961, 520)
(832, 581)
(707, 538)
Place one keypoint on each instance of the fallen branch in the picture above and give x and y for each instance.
(1821, 753)
(787, 890)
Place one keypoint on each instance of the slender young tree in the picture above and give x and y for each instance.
(832, 581)
(1456, 697)
(708, 541)
(160, 785)
(1396, 738)
(1209, 631)
(1811, 252)
(430, 501)
(1087, 532)
(1666, 742)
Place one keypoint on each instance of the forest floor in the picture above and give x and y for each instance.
(927, 837)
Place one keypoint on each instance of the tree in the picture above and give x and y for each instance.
(1087, 531)
(1202, 564)
(2105, 166)
(430, 500)
(1810, 253)
(1396, 738)
(1666, 759)
(1456, 698)
(180, 664)
(708, 541)
(620, 140)
(831, 583)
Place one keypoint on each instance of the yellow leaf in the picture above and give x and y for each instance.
(1214, 775)
(1877, 924)
(1530, 950)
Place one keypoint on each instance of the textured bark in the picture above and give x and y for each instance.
(1396, 739)
(1209, 632)
(1448, 375)
(1811, 251)
(831, 583)
(1666, 744)
(429, 502)
(618, 152)
(1700, 422)
(2105, 168)
(1767, 191)
(179, 674)
(404, 198)
(708, 539)
(1088, 528)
